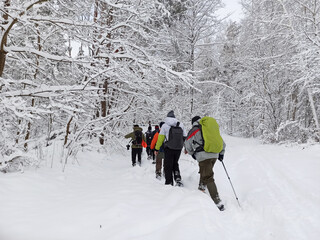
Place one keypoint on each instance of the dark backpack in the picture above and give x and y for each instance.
(149, 137)
(176, 140)
(138, 137)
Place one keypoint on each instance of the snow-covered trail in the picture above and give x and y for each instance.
(279, 188)
(106, 198)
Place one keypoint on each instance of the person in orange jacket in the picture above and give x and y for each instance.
(160, 155)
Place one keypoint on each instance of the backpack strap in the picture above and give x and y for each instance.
(200, 147)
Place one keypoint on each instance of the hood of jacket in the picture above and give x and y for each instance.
(196, 123)
(170, 121)
(137, 128)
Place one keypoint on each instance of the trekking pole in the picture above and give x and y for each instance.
(231, 183)
(128, 145)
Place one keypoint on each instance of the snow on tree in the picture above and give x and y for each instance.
(91, 95)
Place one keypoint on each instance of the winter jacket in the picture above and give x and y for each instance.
(164, 132)
(154, 141)
(195, 141)
(149, 137)
(133, 137)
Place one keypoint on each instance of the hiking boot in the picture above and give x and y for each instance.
(179, 183)
(153, 162)
(133, 164)
(158, 176)
(139, 164)
(220, 206)
(202, 187)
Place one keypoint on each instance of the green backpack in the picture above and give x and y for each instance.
(211, 135)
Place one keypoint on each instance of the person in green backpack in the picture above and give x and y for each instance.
(205, 145)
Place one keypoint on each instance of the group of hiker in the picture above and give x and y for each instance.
(203, 142)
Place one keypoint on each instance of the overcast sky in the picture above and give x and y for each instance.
(233, 7)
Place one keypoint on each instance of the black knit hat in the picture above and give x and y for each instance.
(195, 118)
(171, 114)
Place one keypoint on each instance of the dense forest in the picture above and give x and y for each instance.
(82, 71)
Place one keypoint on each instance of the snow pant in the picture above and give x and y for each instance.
(159, 158)
(206, 177)
(152, 154)
(148, 150)
(136, 152)
(171, 165)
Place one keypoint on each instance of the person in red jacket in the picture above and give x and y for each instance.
(160, 156)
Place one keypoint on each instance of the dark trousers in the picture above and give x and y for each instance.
(136, 152)
(171, 165)
(207, 178)
(152, 155)
(148, 150)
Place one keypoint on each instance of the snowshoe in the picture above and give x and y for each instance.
(220, 206)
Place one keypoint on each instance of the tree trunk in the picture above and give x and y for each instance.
(50, 123)
(4, 38)
(314, 112)
(27, 137)
(105, 108)
(28, 129)
(67, 131)
(192, 69)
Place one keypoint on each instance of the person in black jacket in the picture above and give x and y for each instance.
(149, 139)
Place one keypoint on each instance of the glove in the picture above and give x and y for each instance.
(221, 157)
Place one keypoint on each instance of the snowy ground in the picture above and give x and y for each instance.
(106, 198)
